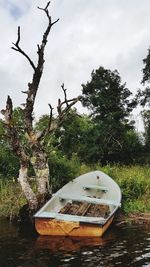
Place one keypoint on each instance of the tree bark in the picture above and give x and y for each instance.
(41, 168)
(26, 188)
(14, 140)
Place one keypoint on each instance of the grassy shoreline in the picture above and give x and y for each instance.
(134, 182)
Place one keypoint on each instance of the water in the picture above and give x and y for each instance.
(128, 246)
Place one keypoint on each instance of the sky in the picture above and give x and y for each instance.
(114, 34)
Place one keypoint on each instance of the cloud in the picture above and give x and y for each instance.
(114, 34)
(16, 8)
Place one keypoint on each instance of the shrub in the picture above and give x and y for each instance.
(62, 170)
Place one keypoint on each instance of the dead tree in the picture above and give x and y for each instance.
(37, 156)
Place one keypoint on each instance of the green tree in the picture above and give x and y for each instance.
(106, 97)
(143, 97)
(132, 148)
(73, 135)
(76, 138)
(110, 104)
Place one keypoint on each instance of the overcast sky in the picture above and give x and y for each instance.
(114, 34)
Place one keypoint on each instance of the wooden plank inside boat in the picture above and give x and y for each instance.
(85, 209)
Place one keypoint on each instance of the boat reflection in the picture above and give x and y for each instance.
(62, 243)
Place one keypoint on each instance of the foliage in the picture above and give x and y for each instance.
(132, 148)
(143, 97)
(9, 164)
(90, 141)
(146, 119)
(134, 182)
(49, 141)
(79, 137)
(146, 69)
(110, 104)
(73, 136)
(106, 97)
(42, 123)
(62, 170)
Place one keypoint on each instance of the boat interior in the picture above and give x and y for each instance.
(85, 208)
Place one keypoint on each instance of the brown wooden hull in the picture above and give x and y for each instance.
(53, 227)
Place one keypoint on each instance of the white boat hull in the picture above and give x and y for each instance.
(94, 188)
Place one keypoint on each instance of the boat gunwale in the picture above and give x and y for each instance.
(57, 194)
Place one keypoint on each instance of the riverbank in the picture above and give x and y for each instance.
(139, 218)
(134, 182)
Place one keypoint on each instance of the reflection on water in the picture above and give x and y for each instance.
(69, 244)
(119, 247)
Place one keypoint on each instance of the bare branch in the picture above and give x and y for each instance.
(47, 5)
(54, 22)
(46, 131)
(25, 92)
(50, 117)
(47, 13)
(33, 87)
(18, 49)
(50, 24)
(62, 112)
(17, 43)
(72, 102)
(65, 95)
(117, 141)
(8, 111)
(46, 8)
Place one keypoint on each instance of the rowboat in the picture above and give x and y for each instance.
(84, 207)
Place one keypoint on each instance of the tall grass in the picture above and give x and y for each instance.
(134, 182)
(11, 198)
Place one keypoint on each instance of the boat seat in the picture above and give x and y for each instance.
(72, 218)
(96, 187)
(91, 200)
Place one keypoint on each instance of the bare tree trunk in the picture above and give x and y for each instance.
(34, 139)
(13, 136)
(26, 188)
(40, 165)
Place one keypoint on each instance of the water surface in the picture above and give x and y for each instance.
(128, 246)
